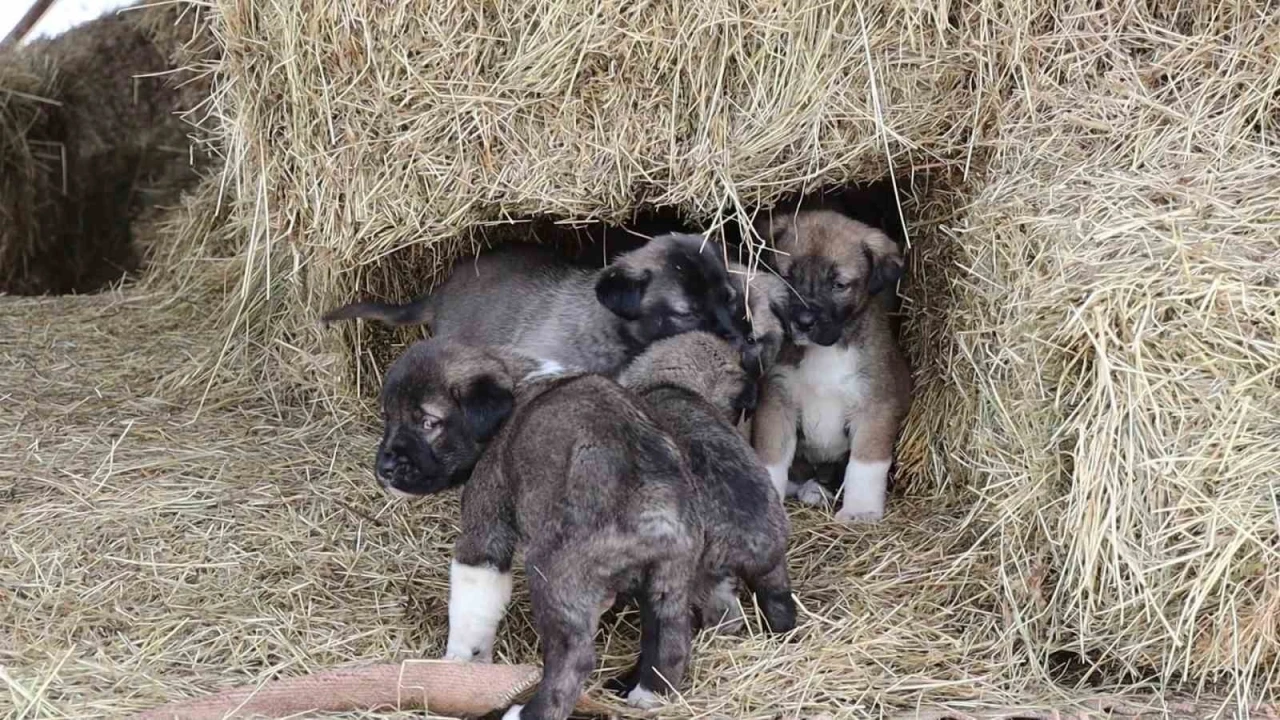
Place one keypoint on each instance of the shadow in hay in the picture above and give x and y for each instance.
(900, 206)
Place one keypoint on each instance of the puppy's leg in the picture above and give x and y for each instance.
(479, 589)
(566, 600)
(665, 633)
(772, 589)
(867, 474)
(717, 605)
(773, 434)
(478, 598)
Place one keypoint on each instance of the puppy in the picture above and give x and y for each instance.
(767, 300)
(844, 386)
(525, 298)
(693, 387)
(571, 468)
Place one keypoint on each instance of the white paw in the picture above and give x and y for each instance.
(513, 712)
(469, 655)
(855, 516)
(643, 698)
(812, 493)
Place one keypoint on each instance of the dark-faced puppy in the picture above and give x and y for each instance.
(441, 403)
(576, 474)
(694, 387)
(526, 298)
(845, 387)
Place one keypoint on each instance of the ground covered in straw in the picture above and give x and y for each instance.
(153, 550)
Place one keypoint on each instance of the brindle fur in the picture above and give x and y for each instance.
(571, 468)
(693, 387)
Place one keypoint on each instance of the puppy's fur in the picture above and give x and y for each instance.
(598, 496)
(767, 299)
(693, 386)
(844, 386)
(526, 298)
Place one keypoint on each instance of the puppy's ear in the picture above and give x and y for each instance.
(486, 403)
(773, 227)
(622, 289)
(884, 262)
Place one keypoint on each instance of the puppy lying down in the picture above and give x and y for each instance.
(572, 469)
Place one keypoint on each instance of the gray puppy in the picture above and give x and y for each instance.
(526, 298)
(572, 468)
(694, 387)
(569, 467)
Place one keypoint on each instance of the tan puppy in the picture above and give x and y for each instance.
(843, 387)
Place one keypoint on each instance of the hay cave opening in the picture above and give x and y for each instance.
(901, 205)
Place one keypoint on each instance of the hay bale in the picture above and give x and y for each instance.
(89, 139)
(368, 156)
(1096, 344)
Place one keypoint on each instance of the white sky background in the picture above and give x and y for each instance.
(63, 15)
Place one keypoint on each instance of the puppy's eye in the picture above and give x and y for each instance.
(840, 284)
(430, 422)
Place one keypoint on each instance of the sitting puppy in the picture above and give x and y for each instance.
(569, 467)
(525, 298)
(845, 385)
(694, 387)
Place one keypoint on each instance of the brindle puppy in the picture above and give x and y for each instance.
(526, 298)
(569, 467)
(845, 385)
(694, 387)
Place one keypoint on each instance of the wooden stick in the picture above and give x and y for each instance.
(28, 21)
(442, 688)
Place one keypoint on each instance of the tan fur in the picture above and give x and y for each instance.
(849, 396)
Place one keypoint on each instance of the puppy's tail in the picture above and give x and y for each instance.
(418, 312)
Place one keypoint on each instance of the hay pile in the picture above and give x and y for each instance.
(89, 141)
(1087, 502)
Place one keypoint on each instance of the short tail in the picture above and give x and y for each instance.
(417, 312)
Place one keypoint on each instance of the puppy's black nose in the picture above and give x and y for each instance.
(387, 464)
(803, 320)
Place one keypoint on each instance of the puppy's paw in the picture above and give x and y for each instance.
(859, 516)
(469, 655)
(643, 698)
(812, 493)
(513, 712)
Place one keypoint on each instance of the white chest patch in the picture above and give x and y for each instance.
(825, 389)
(548, 369)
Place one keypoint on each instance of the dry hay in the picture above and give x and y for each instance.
(89, 139)
(1087, 503)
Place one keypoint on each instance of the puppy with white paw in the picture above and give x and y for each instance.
(842, 388)
(569, 468)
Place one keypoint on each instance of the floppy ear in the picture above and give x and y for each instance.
(884, 262)
(486, 403)
(622, 290)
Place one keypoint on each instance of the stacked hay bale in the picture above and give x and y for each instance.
(1093, 305)
(89, 139)
(1097, 339)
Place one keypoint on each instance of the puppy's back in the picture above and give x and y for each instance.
(728, 478)
(585, 453)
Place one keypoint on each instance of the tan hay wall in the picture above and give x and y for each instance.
(1093, 305)
(89, 139)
